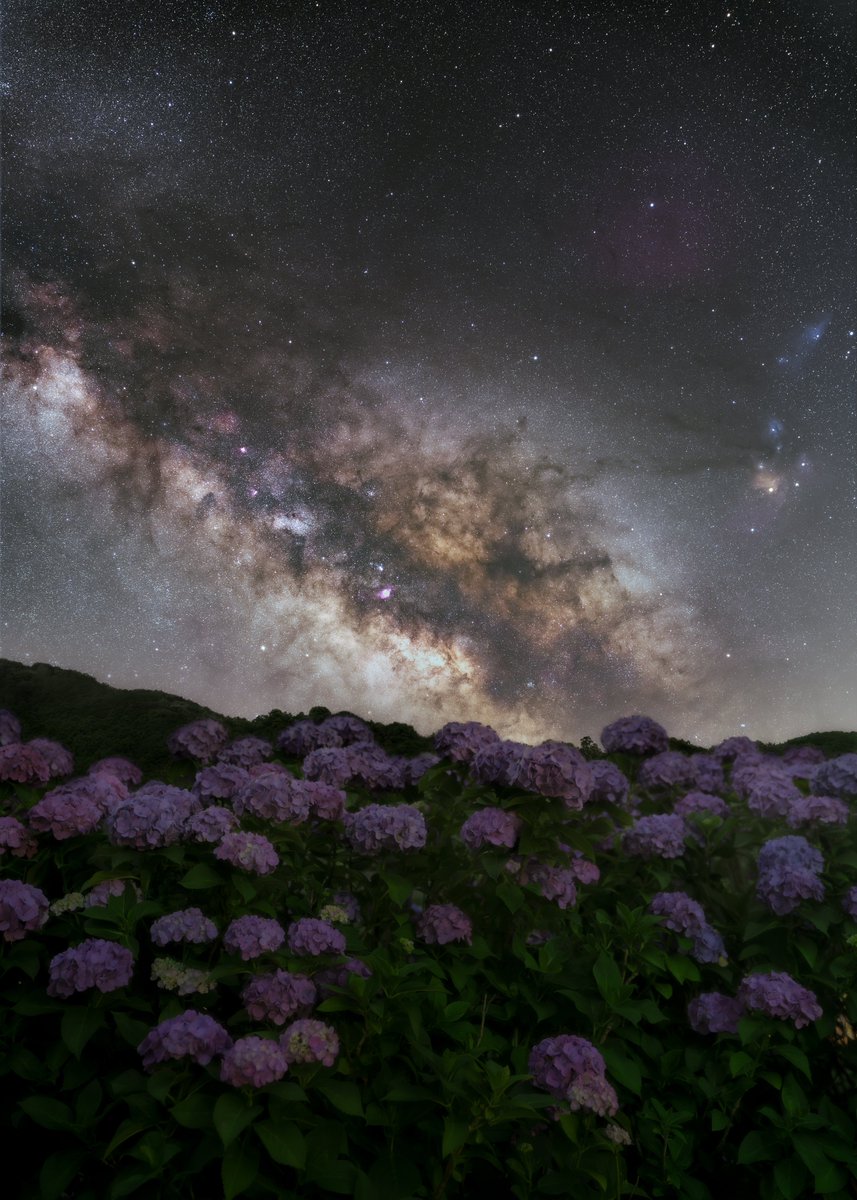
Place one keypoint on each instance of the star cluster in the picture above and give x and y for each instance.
(436, 362)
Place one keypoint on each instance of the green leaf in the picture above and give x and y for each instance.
(398, 889)
(794, 1100)
(283, 1141)
(88, 1102)
(58, 1171)
(624, 1069)
(756, 1148)
(719, 1120)
(239, 1168)
(130, 1031)
(608, 977)
(127, 1129)
(682, 968)
(342, 1095)
(790, 1177)
(201, 877)
(796, 1057)
(194, 1112)
(509, 895)
(231, 1114)
(332, 1175)
(454, 1135)
(77, 1027)
(404, 1093)
(47, 1112)
(740, 1063)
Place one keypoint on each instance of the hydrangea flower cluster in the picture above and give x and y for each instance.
(702, 802)
(734, 747)
(313, 937)
(310, 1041)
(219, 782)
(685, 916)
(10, 728)
(385, 827)
(60, 761)
(65, 813)
(330, 764)
(95, 963)
(16, 838)
(101, 894)
(151, 818)
(666, 770)
(707, 772)
(246, 752)
(572, 1070)
(211, 825)
(189, 1035)
(200, 740)
(499, 762)
(849, 903)
(418, 766)
(635, 735)
(776, 994)
(186, 925)
(661, 835)
(252, 936)
(828, 810)
(120, 768)
(337, 976)
(350, 904)
(440, 924)
(21, 762)
(278, 997)
(173, 976)
(554, 769)
(272, 797)
(23, 909)
(253, 1062)
(326, 802)
(712, 1012)
(305, 736)
(801, 759)
(554, 883)
(609, 784)
(70, 902)
(788, 870)
(372, 767)
(462, 740)
(490, 826)
(837, 777)
(250, 851)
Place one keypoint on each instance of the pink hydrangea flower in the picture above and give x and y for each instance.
(278, 997)
(491, 826)
(444, 923)
(23, 909)
(189, 1035)
(251, 851)
(253, 1062)
(21, 762)
(314, 937)
(253, 936)
(16, 838)
(776, 994)
(65, 813)
(634, 735)
(310, 1041)
(121, 768)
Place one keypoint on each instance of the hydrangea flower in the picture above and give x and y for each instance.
(273, 797)
(65, 813)
(334, 915)
(571, 1069)
(712, 1012)
(21, 762)
(59, 760)
(666, 770)
(348, 728)
(305, 736)
(314, 937)
(10, 728)
(634, 735)
(444, 923)
(371, 767)
(23, 909)
(278, 997)
(16, 838)
(462, 741)
(776, 994)
(189, 1035)
(581, 868)
(219, 782)
(250, 851)
(253, 936)
(801, 759)
(350, 904)
(418, 766)
(788, 870)
(554, 769)
(828, 810)
(186, 925)
(707, 772)
(849, 903)
(609, 784)
(95, 963)
(211, 825)
(490, 826)
(174, 976)
(330, 764)
(310, 1041)
(201, 740)
(337, 976)
(734, 747)
(554, 883)
(101, 894)
(147, 821)
(685, 916)
(385, 827)
(121, 768)
(253, 1062)
(246, 752)
(70, 902)
(702, 802)
(772, 794)
(837, 777)
(661, 835)
(499, 762)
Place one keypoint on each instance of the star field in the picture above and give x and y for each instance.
(435, 361)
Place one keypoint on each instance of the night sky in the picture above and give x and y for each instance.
(476, 361)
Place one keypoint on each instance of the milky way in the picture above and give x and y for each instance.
(436, 365)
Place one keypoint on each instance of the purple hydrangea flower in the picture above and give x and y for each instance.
(634, 735)
(348, 728)
(801, 758)
(59, 760)
(23, 909)
(305, 736)
(776, 994)
(21, 762)
(702, 802)
(253, 1062)
(491, 826)
(661, 835)
(372, 767)
(571, 1069)
(418, 766)
(310, 1041)
(443, 923)
(499, 762)
(609, 784)
(734, 747)
(554, 883)
(666, 770)
(246, 752)
(10, 728)
(326, 802)
(212, 824)
(272, 797)
(350, 904)
(707, 772)
(252, 937)
(330, 764)
(219, 782)
(186, 925)
(189, 1035)
(712, 1012)
(201, 740)
(554, 769)
(849, 903)
(250, 851)
(16, 838)
(121, 768)
(337, 976)
(385, 827)
(685, 916)
(581, 868)
(788, 873)
(462, 740)
(100, 895)
(311, 936)
(146, 821)
(65, 812)
(772, 794)
(95, 963)
(837, 777)
(278, 997)
(828, 810)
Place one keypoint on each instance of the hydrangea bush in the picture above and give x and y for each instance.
(304, 967)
